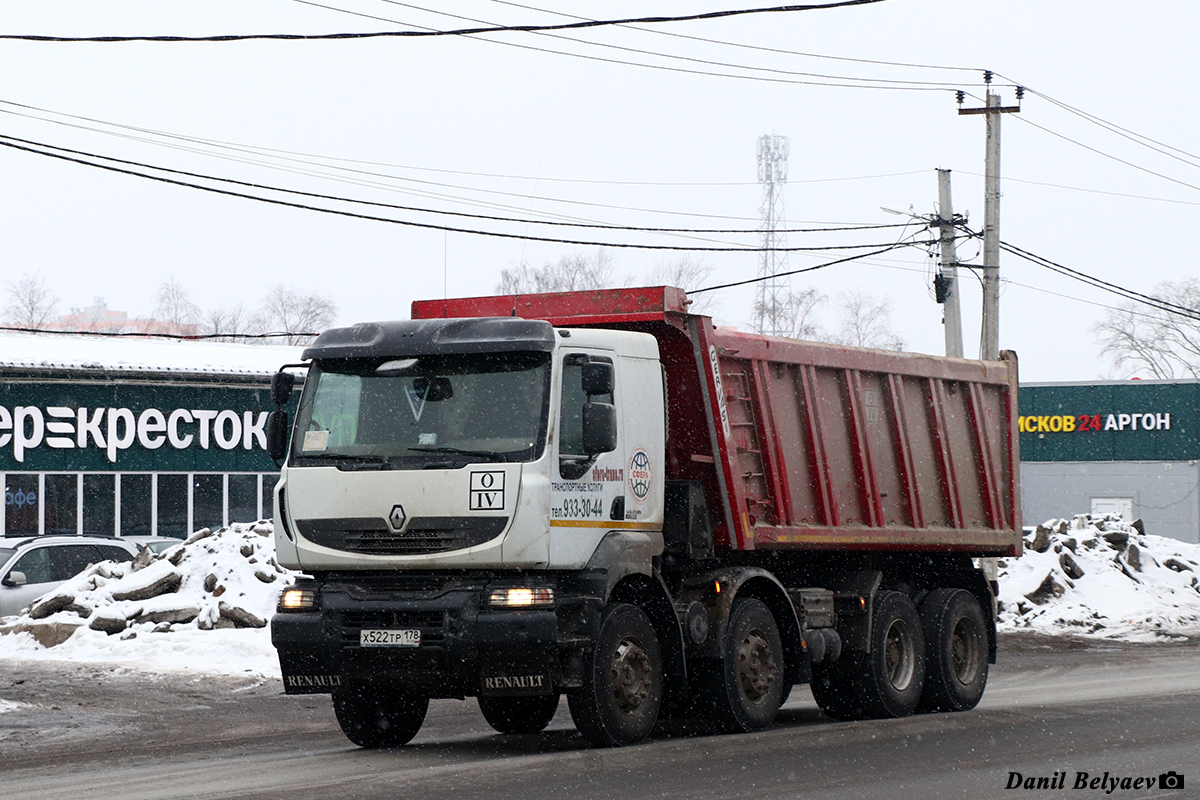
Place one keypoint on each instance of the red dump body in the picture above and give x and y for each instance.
(802, 445)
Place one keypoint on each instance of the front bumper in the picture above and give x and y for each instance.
(465, 649)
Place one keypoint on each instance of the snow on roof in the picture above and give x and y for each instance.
(45, 351)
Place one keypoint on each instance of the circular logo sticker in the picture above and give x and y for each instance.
(639, 475)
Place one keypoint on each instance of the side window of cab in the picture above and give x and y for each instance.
(579, 375)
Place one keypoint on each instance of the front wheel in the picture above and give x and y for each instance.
(519, 714)
(622, 689)
(956, 642)
(374, 718)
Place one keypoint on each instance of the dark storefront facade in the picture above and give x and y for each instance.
(132, 452)
(1125, 447)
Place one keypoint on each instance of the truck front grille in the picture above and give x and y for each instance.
(371, 536)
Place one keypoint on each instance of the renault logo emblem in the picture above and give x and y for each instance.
(396, 518)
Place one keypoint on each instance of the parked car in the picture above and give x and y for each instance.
(33, 566)
(156, 543)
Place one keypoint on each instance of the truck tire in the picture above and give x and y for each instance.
(749, 683)
(519, 714)
(834, 687)
(887, 681)
(622, 689)
(371, 718)
(956, 665)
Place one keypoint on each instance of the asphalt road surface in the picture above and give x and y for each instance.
(1052, 706)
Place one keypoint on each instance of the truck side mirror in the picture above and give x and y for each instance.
(14, 578)
(277, 433)
(599, 428)
(282, 384)
(597, 378)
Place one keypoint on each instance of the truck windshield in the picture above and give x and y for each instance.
(425, 411)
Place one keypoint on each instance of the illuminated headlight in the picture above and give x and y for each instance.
(298, 600)
(521, 597)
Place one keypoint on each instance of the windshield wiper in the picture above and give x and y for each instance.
(491, 455)
(347, 462)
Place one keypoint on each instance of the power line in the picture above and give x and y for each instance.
(1108, 155)
(1082, 189)
(407, 223)
(707, 62)
(239, 37)
(756, 47)
(490, 218)
(287, 154)
(889, 248)
(354, 172)
(1112, 126)
(660, 67)
(139, 335)
(1098, 283)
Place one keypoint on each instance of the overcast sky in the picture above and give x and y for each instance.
(487, 125)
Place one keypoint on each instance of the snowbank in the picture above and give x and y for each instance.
(1102, 577)
(202, 605)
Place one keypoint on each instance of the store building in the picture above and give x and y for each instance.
(1125, 447)
(133, 437)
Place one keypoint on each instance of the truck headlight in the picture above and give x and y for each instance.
(298, 600)
(521, 597)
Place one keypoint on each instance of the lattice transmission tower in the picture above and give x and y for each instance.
(771, 309)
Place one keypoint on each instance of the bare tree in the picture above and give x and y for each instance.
(796, 315)
(31, 304)
(225, 323)
(866, 323)
(568, 274)
(289, 311)
(688, 273)
(1144, 340)
(174, 306)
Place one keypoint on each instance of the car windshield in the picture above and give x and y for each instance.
(5, 555)
(421, 412)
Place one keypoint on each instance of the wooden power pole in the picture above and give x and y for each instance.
(989, 346)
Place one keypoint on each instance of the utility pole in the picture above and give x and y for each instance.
(771, 305)
(989, 346)
(946, 283)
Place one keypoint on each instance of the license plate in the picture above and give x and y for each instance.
(381, 638)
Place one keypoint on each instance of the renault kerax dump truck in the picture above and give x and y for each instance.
(603, 496)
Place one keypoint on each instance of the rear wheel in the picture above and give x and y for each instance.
(622, 689)
(375, 718)
(956, 644)
(887, 681)
(519, 714)
(750, 680)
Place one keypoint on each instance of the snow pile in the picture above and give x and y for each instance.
(1101, 576)
(203, 604)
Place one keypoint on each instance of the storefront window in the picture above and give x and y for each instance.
(173, 506)
(99, 505)
(208, 500)
(62, 504)
(268, 494)
(135, 505)
(22, 505)
(243, 498)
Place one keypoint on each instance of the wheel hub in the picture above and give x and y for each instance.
(899, 655)
(631, 675)
(757, 669)
(964, 652)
